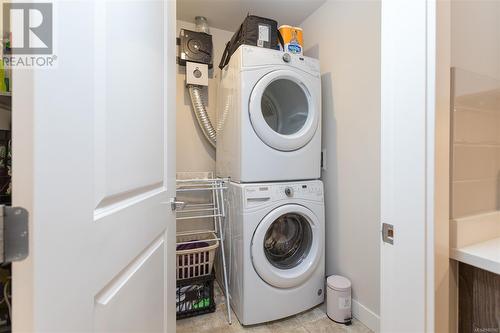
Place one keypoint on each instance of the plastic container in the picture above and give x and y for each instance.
(292, 37)
(197, 260)
(338, 299)
(195, 296)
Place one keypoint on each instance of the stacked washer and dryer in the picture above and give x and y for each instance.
(269, 145)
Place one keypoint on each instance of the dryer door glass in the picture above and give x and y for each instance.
(284, 109)
(288, 241)
(285, 106)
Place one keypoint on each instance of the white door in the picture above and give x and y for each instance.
(94, 163)
(283, 110)
(407, 164)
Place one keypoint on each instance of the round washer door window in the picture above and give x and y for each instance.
(287, 246)
(282, 111)
(288, 240)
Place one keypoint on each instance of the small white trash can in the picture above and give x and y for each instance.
(338, 299)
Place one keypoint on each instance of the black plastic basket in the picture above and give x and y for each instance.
(195, 296)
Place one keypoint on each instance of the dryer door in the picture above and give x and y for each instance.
(287, 246)
(283, 111)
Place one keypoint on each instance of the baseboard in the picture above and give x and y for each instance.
(366, 316)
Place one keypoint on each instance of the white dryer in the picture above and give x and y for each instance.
(269, 117)
(275, 247)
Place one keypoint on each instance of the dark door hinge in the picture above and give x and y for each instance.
(14, 237)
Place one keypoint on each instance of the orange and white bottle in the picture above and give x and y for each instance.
(292, 38)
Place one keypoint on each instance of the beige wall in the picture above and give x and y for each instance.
(445, 282)
(476, 145)
(475, 51)
(345, 36)
(475, 36)
(475, 128)
(194, 153)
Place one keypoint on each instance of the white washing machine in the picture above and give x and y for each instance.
(275, 249)
(269, 117)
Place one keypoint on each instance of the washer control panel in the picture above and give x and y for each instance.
(256, 195)
(299, 190)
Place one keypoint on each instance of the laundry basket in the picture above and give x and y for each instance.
(195, 256)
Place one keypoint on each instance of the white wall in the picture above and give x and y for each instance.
(475, 36)
(194, 153)
(345, 35)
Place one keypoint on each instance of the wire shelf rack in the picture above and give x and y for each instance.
(203, 203)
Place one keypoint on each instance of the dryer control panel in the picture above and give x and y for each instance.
(256, 195)
(253, 56)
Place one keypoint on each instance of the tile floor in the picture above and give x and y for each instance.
(311, 321)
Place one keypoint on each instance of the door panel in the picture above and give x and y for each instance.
(99, 168)
(130, 230)
(134, 126)
(407, 165)
(140, 283)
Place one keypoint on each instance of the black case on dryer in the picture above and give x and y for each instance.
(256, 31)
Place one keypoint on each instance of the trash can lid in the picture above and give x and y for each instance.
(337, 282)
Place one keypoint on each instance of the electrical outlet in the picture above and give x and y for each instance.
(196, 74)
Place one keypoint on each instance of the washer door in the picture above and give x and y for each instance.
(282, 111)
(286, 246)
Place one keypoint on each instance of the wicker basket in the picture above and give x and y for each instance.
(196, 262)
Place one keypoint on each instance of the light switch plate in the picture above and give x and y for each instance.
(196, 74)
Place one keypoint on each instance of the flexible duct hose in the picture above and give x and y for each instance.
(201, 114)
